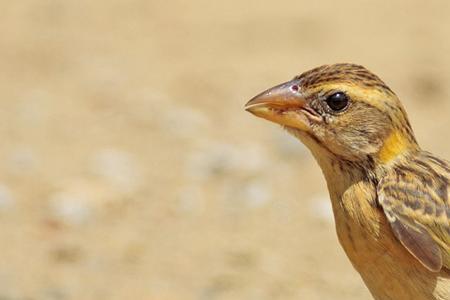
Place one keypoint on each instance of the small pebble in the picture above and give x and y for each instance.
(190, 199)
(71, 207)
(217, 159)
(6, 198)
(184, 122)
(22, 160)
(256, 194)
(117, 167)
(241, 194)
(320, 208)
(288, 146)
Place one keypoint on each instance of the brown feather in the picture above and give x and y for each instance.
(414, 195)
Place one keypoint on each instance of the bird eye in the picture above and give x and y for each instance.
(337, 101)
(294, 88)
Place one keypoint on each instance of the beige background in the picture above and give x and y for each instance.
(129, 169)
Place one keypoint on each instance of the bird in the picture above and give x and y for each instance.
(390, 198)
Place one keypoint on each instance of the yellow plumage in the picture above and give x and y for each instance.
(394, 145)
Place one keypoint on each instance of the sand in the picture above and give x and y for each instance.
(129, 169)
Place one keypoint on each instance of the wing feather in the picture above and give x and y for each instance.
(415, 199)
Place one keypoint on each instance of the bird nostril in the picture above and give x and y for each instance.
(294, 88)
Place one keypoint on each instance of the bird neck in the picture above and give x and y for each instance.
(396, 146)
(341, 173)
(338, 172)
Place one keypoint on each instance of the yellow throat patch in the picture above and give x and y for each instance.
(395, 144)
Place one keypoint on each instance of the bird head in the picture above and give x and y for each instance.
(342, 109)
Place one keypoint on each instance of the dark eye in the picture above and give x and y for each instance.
(338, 101)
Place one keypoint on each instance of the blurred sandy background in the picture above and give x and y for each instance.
(129, 169)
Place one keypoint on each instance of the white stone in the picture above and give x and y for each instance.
(6, 198)
(22, 160)
(216, 159)
(184, 122)
(117, 167)
(71, 207)
(320, 207)
(288, 145)
(256, 194)
(190, 199)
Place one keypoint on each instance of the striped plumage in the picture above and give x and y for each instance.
(390, 199)
(415, 198)
(341, 73)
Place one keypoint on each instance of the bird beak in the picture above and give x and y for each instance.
(282, 104)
